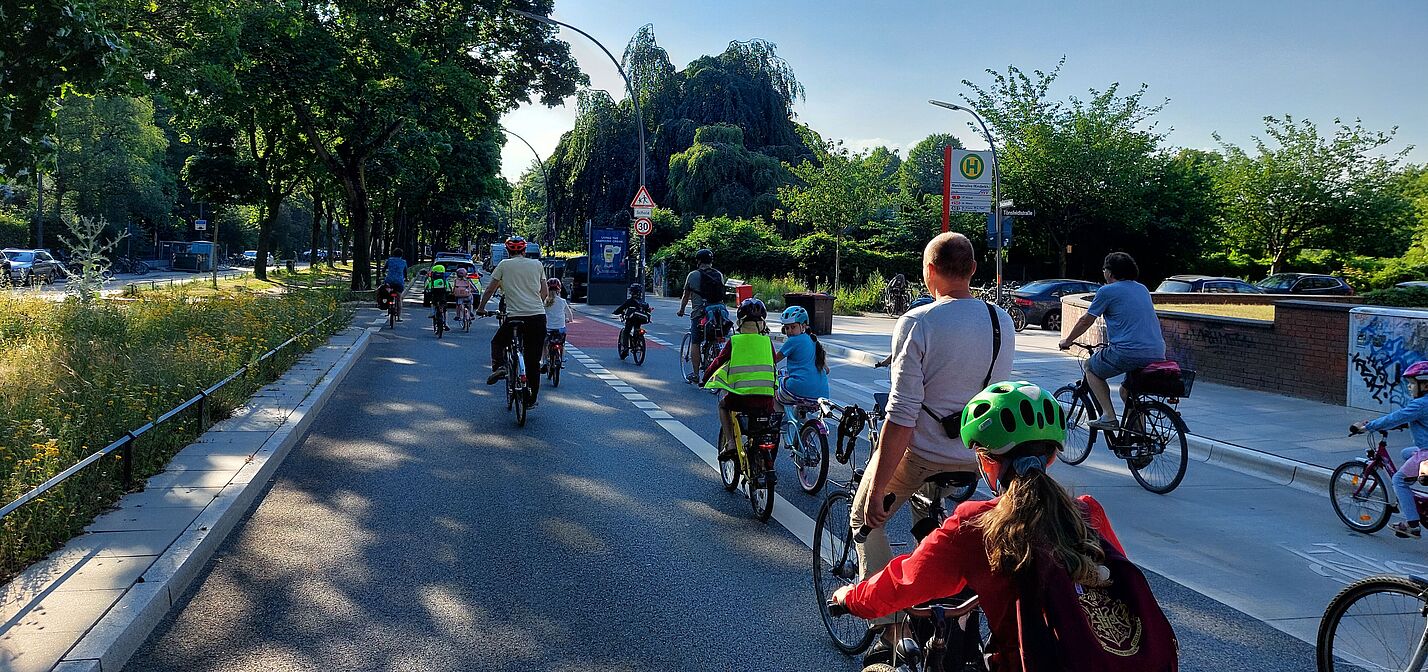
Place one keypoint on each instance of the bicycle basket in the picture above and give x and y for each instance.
(1161, 379)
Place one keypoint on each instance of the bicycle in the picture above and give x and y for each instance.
(754, 447)
(807, 439)
(554, 358)
(632, 339)
(1376, 623)
(1360, 489)
(517, 386)
(835, 561)
(714, 335)
(896, 300)
(932, 623)
(438, 320)
(385, 293)
(1007, 302)
(1152, 435)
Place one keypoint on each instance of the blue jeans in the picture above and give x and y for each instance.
(1406, 505)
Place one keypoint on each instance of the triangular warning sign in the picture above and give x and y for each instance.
(642, 199)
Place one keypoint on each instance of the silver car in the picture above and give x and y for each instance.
(30, 266)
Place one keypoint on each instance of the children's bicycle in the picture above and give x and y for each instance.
(806, 435)
(1151, 437)
(754, 447)
(632, 337)
(554, 357)
(438, 321)
(1376, 623)
(1360, 489)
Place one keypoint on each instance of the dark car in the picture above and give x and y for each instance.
(1041, 300)
(576, 277)
(1305, 283)
(1180, 284)
(1413, 284)
(27, 266)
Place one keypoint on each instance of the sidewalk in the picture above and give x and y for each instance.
(90, 604)
(1290, 440)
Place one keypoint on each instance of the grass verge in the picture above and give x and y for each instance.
(1249, 312)
(75, 378)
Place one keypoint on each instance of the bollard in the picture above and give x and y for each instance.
(126, 458)
(203, 411)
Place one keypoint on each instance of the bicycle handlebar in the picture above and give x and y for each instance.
(862, 534)
(953, 610)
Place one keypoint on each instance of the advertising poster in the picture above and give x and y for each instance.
(608, 249)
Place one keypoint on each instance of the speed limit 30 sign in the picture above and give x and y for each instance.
(643, 226)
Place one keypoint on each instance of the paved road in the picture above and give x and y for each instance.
(416, 528)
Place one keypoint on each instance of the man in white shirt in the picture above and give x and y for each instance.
(522, 283)
(942, 356)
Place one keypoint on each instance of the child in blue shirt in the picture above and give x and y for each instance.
(1415, 415)
(806, 366)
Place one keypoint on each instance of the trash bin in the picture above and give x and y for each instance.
(292, 266)
(743, 293)
(819, 307)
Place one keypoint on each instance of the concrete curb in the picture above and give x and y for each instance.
(127, 625)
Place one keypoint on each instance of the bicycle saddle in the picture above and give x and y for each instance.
(952, 479)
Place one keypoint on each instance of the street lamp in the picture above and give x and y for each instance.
(996, 186)
(634, 98)
(550, 234)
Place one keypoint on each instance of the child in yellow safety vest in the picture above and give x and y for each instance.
(744, 371)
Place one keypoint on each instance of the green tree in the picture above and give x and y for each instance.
(837, 195)
(921, 173)
(109, 161)
(718, 175)
(1301, 188)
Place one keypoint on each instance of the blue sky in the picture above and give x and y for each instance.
(869, 67)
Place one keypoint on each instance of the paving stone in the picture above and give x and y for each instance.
(207, 462)
(250, 440)
(120, 544)
(33, 651)
(101, 573)
(78, 666)
(191, 479)
(115, 638)
(130, 518)
(164, 497)
(68, 611)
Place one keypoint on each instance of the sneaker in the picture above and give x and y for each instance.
(545, 368)
(880, 653)
(727, 454)
(1406, 531)
(692, 379)
(1106, 423)
(496, 376)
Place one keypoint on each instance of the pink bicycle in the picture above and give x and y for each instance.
(1361, 491)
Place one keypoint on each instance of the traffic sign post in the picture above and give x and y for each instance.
(643, 206)
(200, 225)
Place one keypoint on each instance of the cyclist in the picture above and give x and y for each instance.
(996, 547)
(396, 279)
(523, 293)
(1132, 332)
(942, 356)
(744, 370)
(557, 313)
(1415, 415)
(465, 292)
(635, 311)
(437, 285)
(704, 287)
(805, 376)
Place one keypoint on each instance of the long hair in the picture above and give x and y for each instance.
(820, 356)
(1035, 512)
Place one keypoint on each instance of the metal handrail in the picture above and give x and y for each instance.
(125, 443)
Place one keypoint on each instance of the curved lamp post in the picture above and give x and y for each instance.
(550, 232)
(634, 98)
(996, 186)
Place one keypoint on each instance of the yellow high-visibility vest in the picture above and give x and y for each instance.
(750, 369)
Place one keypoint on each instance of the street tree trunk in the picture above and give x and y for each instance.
(331, 242)
(272, 207)
(317, 208)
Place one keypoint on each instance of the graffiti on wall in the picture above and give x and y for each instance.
(1382, 343)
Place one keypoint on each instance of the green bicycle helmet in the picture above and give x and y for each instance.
(1009, 414)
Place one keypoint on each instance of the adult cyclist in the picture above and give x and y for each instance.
(396, 279)
(523, 288)
(704, 287)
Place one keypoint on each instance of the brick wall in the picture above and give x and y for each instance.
(1302, 353)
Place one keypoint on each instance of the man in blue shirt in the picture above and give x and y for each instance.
(1132, 333)
(397, 277)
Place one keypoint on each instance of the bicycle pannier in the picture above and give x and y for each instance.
(1161, 379)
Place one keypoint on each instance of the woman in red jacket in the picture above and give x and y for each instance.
(1016, 429)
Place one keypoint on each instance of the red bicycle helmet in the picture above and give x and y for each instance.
(516, 246)
(1416, 370)
(553, 284)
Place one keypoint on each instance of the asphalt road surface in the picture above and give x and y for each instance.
(416, 528)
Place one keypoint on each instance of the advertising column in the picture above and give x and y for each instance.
(609, 266)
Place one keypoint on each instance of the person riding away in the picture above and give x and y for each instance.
(1005, 548)
(944, 354)
(704, 287)
(744, 370)
(1415, 415)
(437, 286)
(523, 291)
(1132, 332)
(557, 313)
(805, 376)
(635, 311)
(465, 292)
(396, 279)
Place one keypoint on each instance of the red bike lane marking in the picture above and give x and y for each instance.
(584, 332)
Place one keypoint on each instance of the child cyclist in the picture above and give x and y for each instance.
(805, 374)
(437, 286)
(557, 313)
(1038, 558)
(464, 290)
(744, 370)
(634, 312)
(1415, 415)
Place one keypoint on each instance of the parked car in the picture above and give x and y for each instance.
(1179, 284)
(1041, 300)
(576, 277)
(1417, 284)
(27, 266)
(452, 261)
(250, 258)
(1311, 284)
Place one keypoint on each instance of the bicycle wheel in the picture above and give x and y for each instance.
(1375, 623)
(835, 564)
(761, 496)
(623, 345)
(1078, 437)
(392, 318)
(811, 458)
(686, 367)
(510, 380)
(140, 268)
(1359, 496)
(1018, 317)
(638, 349)
(521, 395)
(553, 365)
(1159, 457)
(728, 469)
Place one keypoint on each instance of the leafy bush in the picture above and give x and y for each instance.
(866, 297)
(742, 248)
(771, 290)
(1402, 297)
(1372, 273)
(74, 378)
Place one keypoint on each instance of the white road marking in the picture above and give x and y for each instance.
(635, 397)
(849, 383)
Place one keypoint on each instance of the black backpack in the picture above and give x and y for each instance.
(711, 286)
